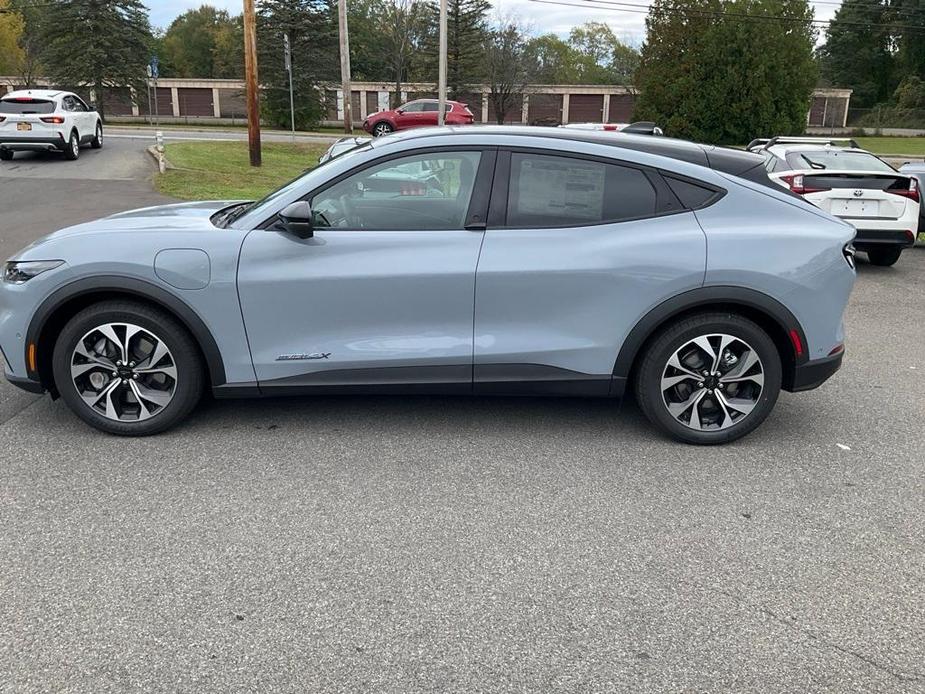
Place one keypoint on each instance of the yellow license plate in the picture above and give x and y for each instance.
(24, 126)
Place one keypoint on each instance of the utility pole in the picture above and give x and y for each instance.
(345, 65)
(250, 74)
(441, 87)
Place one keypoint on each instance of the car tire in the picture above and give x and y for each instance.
(382, 128)
(884, 257)
(72, 148)
(157, 388)
(6, 155)
(97, 141)
(725, 409)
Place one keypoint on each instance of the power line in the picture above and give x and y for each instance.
(615, 6)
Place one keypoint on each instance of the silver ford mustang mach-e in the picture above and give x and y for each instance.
(487, 260)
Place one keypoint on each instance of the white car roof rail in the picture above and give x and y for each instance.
(766, 142)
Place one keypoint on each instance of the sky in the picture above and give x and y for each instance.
(629, 26)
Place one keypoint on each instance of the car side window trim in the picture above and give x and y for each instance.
(667, 203)
(478, 202)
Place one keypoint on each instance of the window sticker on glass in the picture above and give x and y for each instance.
(560, 187)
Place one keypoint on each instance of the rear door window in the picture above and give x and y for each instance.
(26, 106)
(554, 191)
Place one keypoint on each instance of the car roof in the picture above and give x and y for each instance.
(49, 94)
(732, 161)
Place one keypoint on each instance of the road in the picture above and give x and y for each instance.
(457, 545)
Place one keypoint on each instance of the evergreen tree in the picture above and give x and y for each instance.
(467, 29)
(709, 74)
(312, 29)
(857, 53)
(98, 43)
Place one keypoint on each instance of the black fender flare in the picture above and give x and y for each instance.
(142, 289)
(705, 297)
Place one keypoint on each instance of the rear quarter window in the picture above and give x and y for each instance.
(691, 195)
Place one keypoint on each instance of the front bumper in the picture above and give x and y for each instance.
(868, 239)
(33, 144)
(814, 373)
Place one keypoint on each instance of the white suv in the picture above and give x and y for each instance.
(47, 120)
(850, 183)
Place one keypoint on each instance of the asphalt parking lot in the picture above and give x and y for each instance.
(457, 545)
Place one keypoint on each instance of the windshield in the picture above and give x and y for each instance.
(26, 106)
(294, 183)
(834, 160)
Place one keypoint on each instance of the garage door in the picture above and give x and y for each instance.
(545, 109)
(164, 102)
(195, 101)
(621, 108)
(586, 108)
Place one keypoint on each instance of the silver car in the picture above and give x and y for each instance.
(495, 260)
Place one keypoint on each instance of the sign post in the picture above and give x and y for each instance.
(153, 73)
(287, 61)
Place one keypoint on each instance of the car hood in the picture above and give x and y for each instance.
(178, 217)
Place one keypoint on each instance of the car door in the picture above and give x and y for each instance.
(577, 250)
(409, 116)
(86, 117)
(382, 294)
(430, 112)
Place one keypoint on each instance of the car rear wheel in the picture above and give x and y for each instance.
(6, 155)
(97, 141)
(72, 149)
(709, 378)
(382, 128)
(885, 257)
(126, 368)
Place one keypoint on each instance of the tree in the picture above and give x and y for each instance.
(505, 67)
(600, 57)
(908, 20)
(312, 29)
(205, 42)
(708, 74)
(403, 24)
(11, 30)
(857, 54)
(552, 60)
(467, 27)
(30, 41)
(98, 43)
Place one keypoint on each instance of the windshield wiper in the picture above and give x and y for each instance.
(812, 164)
(236, 213)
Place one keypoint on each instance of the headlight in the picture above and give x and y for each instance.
(19, 271)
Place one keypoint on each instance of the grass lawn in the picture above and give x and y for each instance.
(914, 146)
(222, 171)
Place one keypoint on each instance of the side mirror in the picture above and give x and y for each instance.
(296, 218)
(400, 111)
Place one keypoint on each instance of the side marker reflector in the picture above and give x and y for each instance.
(31, 358)
(797, 343)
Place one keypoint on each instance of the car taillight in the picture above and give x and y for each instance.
(912, 192)
(796, 183)
(57, 120)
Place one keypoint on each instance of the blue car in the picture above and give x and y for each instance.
(491, 260)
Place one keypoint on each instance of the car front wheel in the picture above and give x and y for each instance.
(885, 257)
(709, 378)
(382, 128)
(97, 141)
(72, 148)
(126, 368)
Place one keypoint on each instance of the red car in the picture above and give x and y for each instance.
(416, 114)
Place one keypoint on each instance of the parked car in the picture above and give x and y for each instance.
(850, 183)
(342, 146)
(638, 128)
(416, 114)
(916, 170)
(533, 261)
(41, 120)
